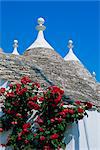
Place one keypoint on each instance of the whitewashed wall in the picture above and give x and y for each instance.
(86, 134)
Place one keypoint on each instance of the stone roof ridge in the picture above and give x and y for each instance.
(15, 45)
(40, 41)
(71, 56)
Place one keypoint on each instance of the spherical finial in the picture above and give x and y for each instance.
(15, 41)
(40, 21)
(40, 27)
(93, 74)
(70, 44)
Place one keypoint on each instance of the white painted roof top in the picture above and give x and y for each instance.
(15, 45)
(71, 56)
(40, 40)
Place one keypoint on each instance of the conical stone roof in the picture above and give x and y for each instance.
(45, 65)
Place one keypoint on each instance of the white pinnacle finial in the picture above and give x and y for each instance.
(40, 41)
(71, 56)
(70, 44)
(40, 27)
(93, 74)
(15, 45)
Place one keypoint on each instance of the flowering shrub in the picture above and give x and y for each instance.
(37, 115)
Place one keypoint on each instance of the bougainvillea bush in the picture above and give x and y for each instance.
(37, 115)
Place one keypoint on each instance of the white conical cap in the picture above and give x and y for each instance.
(15, 45)
(40, 40)
(71, 56)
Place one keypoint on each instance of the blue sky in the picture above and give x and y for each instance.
(76, 20)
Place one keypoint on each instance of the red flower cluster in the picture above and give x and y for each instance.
(36, 84)
(33, 98)
(21, 91)
(80, 110)
(78, 102)
(54, 136)
(9, 111)
(10, 94)
(89, 105)
(25, 80)
(56, 119)
(52, 116)
(39, 120)
(41, 129)
(41, 99)
(66, 111)
(55, 89)
(33, 105)
(26, 126)
(14, 122)
(42, 138)
(2, 91)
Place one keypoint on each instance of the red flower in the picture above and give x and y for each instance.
(71, 111)
(18, 85)
(11, 86)
(55, 89)
(35, 134)
(78, 102)
(89, 105)
(41, 129)
(19, 115)
(62, 104)
(42, 138)
(9, 111)
(60, 120)
(1, 129)
(33, 105)
(11, 94)
(66, 110)
(52, 120)
(39, 120)
(80, 110)
(25, 80)
(41, 99)
(26, 125)
(63, 114)
(47, 147)
(36, 84)
(19, 138)
(58, 99)
(2, 90)
(22, 91)
(33, 98)
(16, 103)
(53, 105)
(14, 122)
(54, 136)
(26, 141)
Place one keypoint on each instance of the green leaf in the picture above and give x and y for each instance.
(47, 132)
(49, 121)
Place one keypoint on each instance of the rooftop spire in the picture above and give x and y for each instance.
(15, 45)
(71, 56)
(40, 41)
(94, 74)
